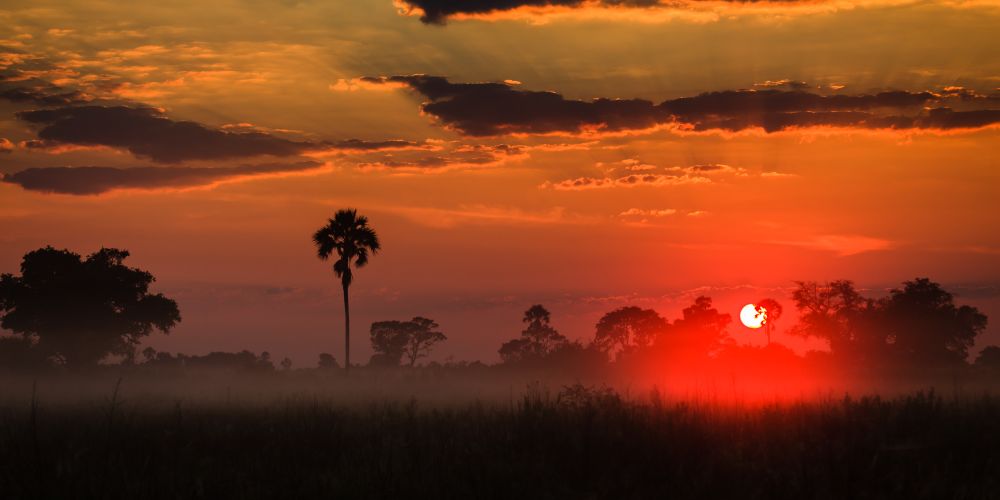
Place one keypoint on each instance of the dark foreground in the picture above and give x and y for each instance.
(583, 444)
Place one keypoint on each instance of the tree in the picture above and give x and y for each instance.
(538, 340)
(421, 339)
(286, 364)
(838, 314)
(349, 235)
(81, 310)
(701, 329)
(627, 329)
(989, 358)
(925, 326)
(388, 339)
(327, 361)
(393, 341)
(772, 313)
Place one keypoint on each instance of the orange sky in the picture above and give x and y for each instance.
(227, 132)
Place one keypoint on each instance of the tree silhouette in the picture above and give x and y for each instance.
(81, 310)
(537, 340)
(925, 326)
(701, 328)
(836, 313)
(772, 313)
(388, 339)
(422, 336)
(393, 341)
(327, 361)
(349, 235)
(989, 358)
(627, 329)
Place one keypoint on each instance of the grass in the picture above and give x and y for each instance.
(581, 443)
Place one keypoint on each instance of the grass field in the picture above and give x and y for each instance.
(571, 442)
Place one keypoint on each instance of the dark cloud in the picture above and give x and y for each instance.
(43, 97)
(145, 132)
(467, 156)
(96, 180)
(488, 109)
(484, 109)
(438, 11)
(360, 145)
(17, 87)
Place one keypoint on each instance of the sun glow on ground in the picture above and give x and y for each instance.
(753, 316)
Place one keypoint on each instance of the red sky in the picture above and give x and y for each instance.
(633, 156)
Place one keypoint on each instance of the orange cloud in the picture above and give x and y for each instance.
(484, 214)
(842, 245)
(628, 181)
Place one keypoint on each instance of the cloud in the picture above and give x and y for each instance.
(778, 175)
(26, 86)
(488, 109)
(672, 176)
(147, 133)
(97, 180)
(496, 108)
(640, 212)
(43, 97)
(485, 215)
(842, 245)
(461, 157)
(440, 11)
(629, 164)
(791, 84)
(6, 146)
(360, 146)
(632, 180)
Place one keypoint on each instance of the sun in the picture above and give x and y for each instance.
(753, 316)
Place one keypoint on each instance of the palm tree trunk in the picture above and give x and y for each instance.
(347, 332)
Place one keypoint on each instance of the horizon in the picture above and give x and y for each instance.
(786, 142)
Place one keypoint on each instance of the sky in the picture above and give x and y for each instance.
(581, 154)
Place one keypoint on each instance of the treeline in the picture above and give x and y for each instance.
(71, 311)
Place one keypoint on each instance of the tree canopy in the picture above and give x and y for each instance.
(628, 328)
(701, 328)
(395, 341)
(917, 324)
(80, 310)
(538, 340)
(923, 324)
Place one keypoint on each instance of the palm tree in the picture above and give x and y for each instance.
(772, 310)
(349, 235)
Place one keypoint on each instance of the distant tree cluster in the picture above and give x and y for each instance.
(918, 324)
(72, 311)
(619, 335)
(235, 361)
